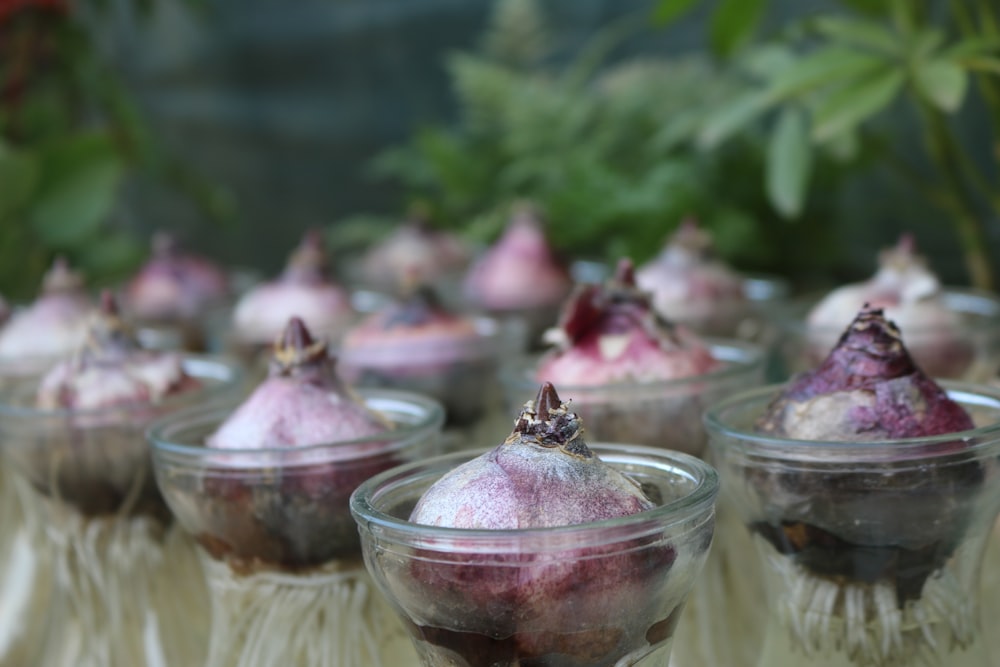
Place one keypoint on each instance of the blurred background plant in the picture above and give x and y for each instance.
(843, 79)
(608, 149)
(70, 137)
(757, 137)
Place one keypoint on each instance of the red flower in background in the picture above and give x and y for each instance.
(10, 7)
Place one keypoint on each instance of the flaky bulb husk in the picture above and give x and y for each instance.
(293, 514)
(691, 286)
(53, 326)
(303, 290)
(868, 390)
(912, 297)
(542, 475)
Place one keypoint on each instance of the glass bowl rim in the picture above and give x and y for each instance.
(738, 357)
(796, 312)
(431, 422)
(699, 501)
(485, 345)
(229, 372)
(887, 451)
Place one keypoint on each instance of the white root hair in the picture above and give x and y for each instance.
(862, 622)
(25, 582)
(128, 590)
(722, 621)
(330, 617)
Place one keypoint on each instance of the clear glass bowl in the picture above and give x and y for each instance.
(281, 508)
(871, 551)
(589, 595)
(969, 351)
(96, 523)
(97, 460)
(461, 376)
(658, 414)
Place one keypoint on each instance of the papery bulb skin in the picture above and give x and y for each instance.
(520, 271)
(543, 475)
(287, 507)
(691, 286)
(54, 325)
(614, 356)
(414, 251)
(173, 285)
(912, 297)
(868, 390)
(417, 344)
(108, 387)
(303, 290)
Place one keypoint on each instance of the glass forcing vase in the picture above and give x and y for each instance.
(280, 551)
(870, 552)
(475, 598)
(125, 584)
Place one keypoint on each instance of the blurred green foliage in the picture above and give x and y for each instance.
(842, 78)
(69, 137)
(610, 150)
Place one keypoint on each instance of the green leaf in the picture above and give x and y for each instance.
(870, 7)
(668, 11)
(18, 179)
(110, 255)
(853, 104)
(80, 180)
(858, 32)
(844, 147)
(821, 68)
(943, 83)
(722, 124)
(973, 46)
(789, 163)
(732, 24)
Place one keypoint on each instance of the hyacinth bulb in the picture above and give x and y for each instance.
(414, 251)
(94, 460)
(417, 344)
(912, 297)
(55, 324)
(690, 285)
(611, 334)
(412, 334)
(110, 370)
(632, 375)
(542, 476)
(520, 271)
(868, 390)
(317, 440)
(302, 402)
(174, 285)
(303, 290)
